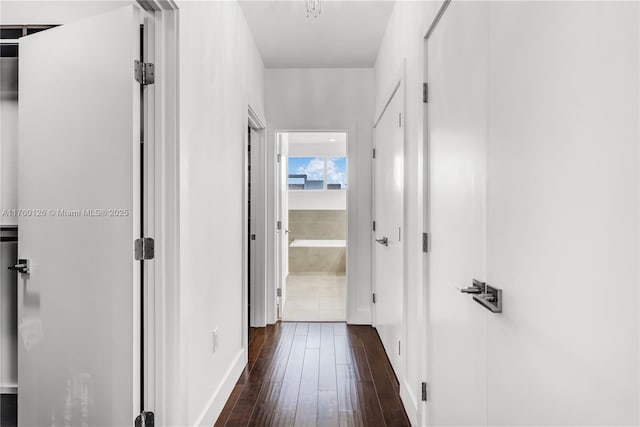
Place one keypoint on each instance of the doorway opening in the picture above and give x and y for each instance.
(312, 226)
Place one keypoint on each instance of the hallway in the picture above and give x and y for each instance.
(308, 374)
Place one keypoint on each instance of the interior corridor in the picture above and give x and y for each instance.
(307, 374)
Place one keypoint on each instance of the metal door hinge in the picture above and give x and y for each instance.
(278, 158)
(144, 72)
(144, 248)
(279, 225)
(424, 392)
(145, 419)
(253, 237)
(279, 292)
(374, 153)
(398, 347)
(425, 242)
(425, 92)
(374, 226)
(399, 120)
(373, 298)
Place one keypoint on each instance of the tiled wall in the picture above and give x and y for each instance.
(317, 225)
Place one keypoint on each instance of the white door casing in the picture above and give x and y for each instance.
(283, 216)
(79, 149)
(389, 219)
(457, 156)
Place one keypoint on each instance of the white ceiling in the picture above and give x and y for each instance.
(346, 34)
(317, 137)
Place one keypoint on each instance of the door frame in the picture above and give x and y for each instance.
(398, 86)
(272, 240)
(164, 355)
(258, 199)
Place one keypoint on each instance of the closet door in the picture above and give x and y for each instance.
(79, 180)
(563, 213)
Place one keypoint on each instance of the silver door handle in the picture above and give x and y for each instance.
(384, 241)
(21, 267)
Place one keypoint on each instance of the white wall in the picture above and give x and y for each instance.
(221, 72)
(403, 41)
(331, 99)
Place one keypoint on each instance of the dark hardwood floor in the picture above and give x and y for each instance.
(315, 374)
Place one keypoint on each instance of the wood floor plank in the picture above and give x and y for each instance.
(369, 404)
(385, 383)
(291, 379)
(307, 407)
(360, 364)
(302, 328)
(347, 390)
(342, 349)
(327, 374)
(242, 410)
(228, 407)
(350, 419)
(284, 419)
(328, 408)
(264, 410)
(313, 337)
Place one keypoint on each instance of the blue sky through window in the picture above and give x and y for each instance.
(314, 169)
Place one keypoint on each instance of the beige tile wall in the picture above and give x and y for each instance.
(320, 225)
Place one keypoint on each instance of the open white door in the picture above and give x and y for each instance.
(79, 304)
(283, 217)
(457, 135)
(389, 216)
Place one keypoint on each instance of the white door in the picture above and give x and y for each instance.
(563, 213)
(457, 138)
(79, 150)
(388, 215)
(283, 217)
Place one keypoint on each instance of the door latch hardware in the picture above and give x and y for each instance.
(23, 266)
(145, 419)
(144, 249)
(424, 392)
(476, 288)
(279, 292)
(491, 299)
(384, 241)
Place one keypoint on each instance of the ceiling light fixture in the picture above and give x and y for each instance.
(314, 8)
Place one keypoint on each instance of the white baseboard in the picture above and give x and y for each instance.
(8, 388)
(216, 403)
(410, 402)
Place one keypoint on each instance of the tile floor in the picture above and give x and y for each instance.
(315, 298)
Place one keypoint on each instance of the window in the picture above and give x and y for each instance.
(317, 173)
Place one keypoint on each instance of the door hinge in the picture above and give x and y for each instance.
(425, 92)
(374, 153)
(279, 292)
(279, 225)
(374, 226)
(278, 158)
(144, 72)
(399, 120)
(144, 248)
(425, 242)
(424, 392)
(373, 298)
(253, 237)
(398, 347)
(145, 419)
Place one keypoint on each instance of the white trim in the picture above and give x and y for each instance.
(9, 389)
(167, 390)
(409, 401)
(216, 402)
